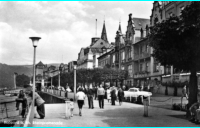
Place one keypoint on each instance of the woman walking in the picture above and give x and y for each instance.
(108, 95)
(80, 99)
(120, 96)
(113, 96)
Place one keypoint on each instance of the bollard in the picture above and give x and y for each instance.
(146, 104)
(67, 110)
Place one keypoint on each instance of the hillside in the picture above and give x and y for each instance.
(7, 74)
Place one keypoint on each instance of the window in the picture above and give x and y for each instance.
(170, 14)
(147, 67)
(140, 67)
(130, 71)
(155, 66)
(113, 59)
(122, 56)
(129, 53)
(147, 48)
(181, 9)
(155, 20)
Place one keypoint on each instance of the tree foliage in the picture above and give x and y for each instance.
(22, 80)
(176, 41)
(90, 75)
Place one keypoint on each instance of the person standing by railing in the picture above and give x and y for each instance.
(39, 103)
(21, 99)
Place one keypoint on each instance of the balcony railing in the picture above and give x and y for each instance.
(141, 74)
(123, 61)
(129, 59)
(142, 56)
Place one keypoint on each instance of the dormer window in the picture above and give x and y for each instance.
(181, 9)
(170, 14)
(155, 20)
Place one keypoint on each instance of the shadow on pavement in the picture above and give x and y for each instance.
(119, 117)
(179, 116)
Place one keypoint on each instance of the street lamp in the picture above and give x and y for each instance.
(35, 41)
(60, 70)
(74, 83)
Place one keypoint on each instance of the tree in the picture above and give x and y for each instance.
(22, 80)
(176, 42)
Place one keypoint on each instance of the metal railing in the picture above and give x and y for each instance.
(60, 93)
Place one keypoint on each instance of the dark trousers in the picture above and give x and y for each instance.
(24, 105)
(101, 101)
(90, 101)
(41, 110)
(95, 96)
(113, 100)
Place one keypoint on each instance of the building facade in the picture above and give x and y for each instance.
(162, 11)
(87, 57)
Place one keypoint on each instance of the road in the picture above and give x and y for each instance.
(127, 115)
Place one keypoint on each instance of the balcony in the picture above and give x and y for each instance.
(123, 61)
(113, 65)
(116, 48)
(142, 56)
(130, 58)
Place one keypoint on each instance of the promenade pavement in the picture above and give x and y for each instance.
(127, 115)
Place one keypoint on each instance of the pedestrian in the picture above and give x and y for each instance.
(80, 99)
(101, 93)
(39, 103)
(184, 94)
(95, 92)
(71, 104)
(68, 89)
(120, 96)
(90, 97)
(113, 95)
(108, 95)
(21, 99)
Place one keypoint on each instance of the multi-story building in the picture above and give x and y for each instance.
(87, 57)
(71, 66)
(162, 11)
(104, 60)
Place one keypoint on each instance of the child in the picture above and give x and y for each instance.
(71, 107)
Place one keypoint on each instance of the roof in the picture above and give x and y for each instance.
(40, 64)
(141, 23)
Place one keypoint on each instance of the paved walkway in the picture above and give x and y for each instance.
(127, 115)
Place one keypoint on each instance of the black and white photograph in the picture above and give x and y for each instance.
(99, 63)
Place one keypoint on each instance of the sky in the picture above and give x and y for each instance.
(64, 27)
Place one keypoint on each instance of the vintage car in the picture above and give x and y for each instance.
(135, 92)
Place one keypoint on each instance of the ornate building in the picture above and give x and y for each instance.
(87, 57)
(161, 11)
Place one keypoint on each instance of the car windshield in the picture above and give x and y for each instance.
(133, 90)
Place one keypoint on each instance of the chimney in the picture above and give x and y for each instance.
(142, 34)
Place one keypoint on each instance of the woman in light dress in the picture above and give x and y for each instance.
(108, 95)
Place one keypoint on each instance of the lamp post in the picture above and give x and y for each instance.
(74, 83)
(35, 41)
(60, 70)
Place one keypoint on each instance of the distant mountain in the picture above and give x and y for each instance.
(7, 73)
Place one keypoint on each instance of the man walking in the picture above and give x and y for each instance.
(90, 97)
(101, 93)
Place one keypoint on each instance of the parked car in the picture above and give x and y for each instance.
(135, 92)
